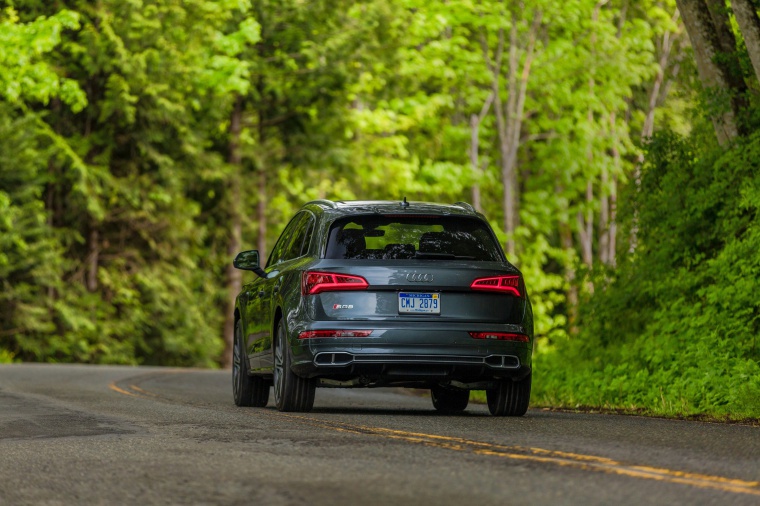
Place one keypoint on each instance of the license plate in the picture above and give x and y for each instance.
(428, 303)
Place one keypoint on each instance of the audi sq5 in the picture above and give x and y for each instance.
(384, 294)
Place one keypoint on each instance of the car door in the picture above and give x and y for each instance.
(286, 291)
(260, 301)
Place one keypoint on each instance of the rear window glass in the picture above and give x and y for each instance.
(399, 238)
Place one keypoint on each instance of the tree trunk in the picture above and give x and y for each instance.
(610, 230)
(519, 112)
(749, 24)
(586, 227)
(668, 40)
(234, 276)
(719, 15)
(566, 239)
(714, 65)
(508, 149)
(51, 197)
(509, 116)
(612, 243)
(730, 56)
(656, 95)
(477, 171)
(261, 207)
(586, 224)
(501, 120)
(93, 249)
(604, 218)
(474, 163)
(476, 197)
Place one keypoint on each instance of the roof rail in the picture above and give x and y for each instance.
(465, 205)
(324, 202)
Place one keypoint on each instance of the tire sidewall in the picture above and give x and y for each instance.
(510, 398)
(281, 343)
(240, 385)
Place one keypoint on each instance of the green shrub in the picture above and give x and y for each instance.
(675, 329)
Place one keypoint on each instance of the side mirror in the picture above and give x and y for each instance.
(249, 261)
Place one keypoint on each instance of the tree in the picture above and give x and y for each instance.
(31, 253)
(714, 46)
(120, 195)
(749, 24)
(203, 126)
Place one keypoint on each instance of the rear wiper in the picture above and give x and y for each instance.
(435, 256)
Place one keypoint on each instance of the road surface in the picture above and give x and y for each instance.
(74, 434)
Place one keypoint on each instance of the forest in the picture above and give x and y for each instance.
(614, 146)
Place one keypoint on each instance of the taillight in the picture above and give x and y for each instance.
(313, 334)
(504, 284)
(313, 282)
(500, 336)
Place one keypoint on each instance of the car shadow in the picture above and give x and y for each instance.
(357, 410)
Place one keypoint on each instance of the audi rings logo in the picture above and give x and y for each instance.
(416, 277)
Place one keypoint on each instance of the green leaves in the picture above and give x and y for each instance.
(123, 167)
(102, 258)
(682, 314)
(24, 76)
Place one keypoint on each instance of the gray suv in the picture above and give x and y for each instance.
(384, 294)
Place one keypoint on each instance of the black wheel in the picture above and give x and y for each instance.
(510, 398)
(449, 400)
(291, 392)
(247, 390)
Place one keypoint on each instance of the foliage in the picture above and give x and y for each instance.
(142, 142)
(675, 331)
(24, 75)
(125, 245)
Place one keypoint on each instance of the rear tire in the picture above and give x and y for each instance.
(510, 398)
(449, 400)
(291, 392)
(247, 390)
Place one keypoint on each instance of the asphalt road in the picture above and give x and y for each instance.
(122, 435)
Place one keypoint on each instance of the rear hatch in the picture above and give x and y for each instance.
(436, 268)
(422, 291)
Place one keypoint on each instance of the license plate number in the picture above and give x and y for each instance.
(428, 303)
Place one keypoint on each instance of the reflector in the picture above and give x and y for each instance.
(311, 334)
(500, 336)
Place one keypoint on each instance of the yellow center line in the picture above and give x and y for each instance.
(579, 461)
(144, 392)
(541, 455)
(682, 474)
(113, 387)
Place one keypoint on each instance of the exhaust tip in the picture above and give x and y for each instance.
(503, 361)
(336, 359)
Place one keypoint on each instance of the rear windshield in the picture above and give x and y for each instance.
(398, 238)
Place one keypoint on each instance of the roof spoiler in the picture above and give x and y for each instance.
(324, 202)
(465, 205)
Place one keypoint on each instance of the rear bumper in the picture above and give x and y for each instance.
(411, 353)
(331, 359)
(419, 373)
(414, 357)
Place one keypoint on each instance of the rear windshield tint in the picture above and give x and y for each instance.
(398, 238)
